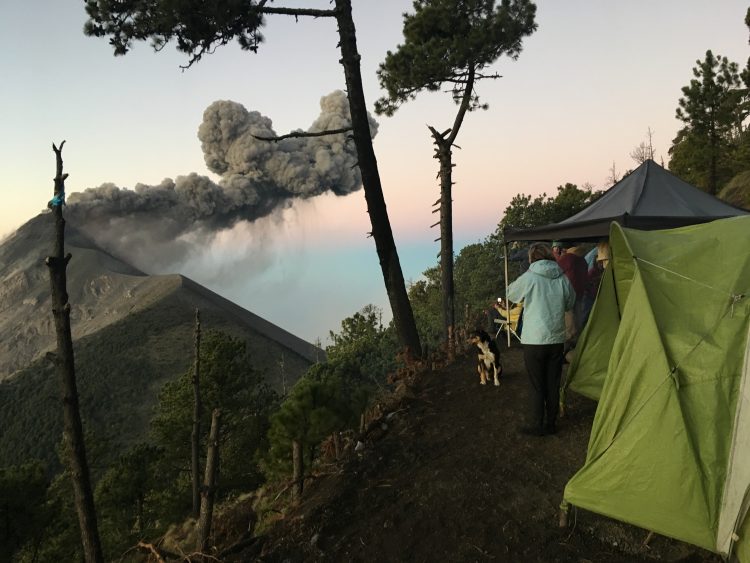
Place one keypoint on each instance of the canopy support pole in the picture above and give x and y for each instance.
(507, 303)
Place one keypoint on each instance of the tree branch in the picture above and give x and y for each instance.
(480, 76)
(304, 134)
(296, 11)
(435, 134)
(463, 78)
(159, 554)
(220, 39)
(465, 103)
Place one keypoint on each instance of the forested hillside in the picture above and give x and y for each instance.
(121, 370)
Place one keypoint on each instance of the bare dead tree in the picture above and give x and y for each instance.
(209, 483)
(74, 446)
(298, 469)
(640, 154)
(613, 177)
(197, 409)
(650, 135)
(282, 367)
(645, 150)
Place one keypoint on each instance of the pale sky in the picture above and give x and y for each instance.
(583, 93)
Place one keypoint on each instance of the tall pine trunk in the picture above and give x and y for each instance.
(298, 470)
(209, 484)
(75, 449)
(403, 316)
(195, 437)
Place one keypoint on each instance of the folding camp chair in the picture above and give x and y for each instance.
(504, 322)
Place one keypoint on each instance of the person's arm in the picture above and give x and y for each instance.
(516, 290)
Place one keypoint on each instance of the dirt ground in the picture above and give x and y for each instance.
(449, 478)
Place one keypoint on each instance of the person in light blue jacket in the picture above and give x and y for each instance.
(546, 294)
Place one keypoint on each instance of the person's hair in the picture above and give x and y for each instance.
(602, 250)
(540, 251)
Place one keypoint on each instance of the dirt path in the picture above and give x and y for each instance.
(451, 479)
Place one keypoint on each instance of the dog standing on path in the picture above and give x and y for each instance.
(488, 359)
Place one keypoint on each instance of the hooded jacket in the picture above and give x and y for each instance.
(546, 294)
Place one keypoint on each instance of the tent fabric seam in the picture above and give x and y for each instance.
(745, 504)
(642, 190)
(703, 338)
(734, 296)
(670, 375)
(633, 417)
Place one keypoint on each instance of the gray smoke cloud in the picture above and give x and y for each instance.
(157, 226)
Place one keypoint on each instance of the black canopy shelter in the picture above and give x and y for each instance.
(648, 198)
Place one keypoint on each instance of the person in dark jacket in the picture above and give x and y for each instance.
(546, 294)
(577, 272)
(595, 278)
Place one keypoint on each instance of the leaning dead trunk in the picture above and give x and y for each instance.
(298, 469)
(403, 316)
(75, 449)
(197, 407)
(209, 483)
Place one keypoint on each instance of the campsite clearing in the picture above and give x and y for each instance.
(450, 479)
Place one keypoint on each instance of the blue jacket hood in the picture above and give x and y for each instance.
(546, 268)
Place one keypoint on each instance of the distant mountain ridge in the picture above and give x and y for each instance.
(102, 289)
(132, 332)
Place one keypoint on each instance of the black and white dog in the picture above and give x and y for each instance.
(488, 359)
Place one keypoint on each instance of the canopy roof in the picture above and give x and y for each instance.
(648, 198)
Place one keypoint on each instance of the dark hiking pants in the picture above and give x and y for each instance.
(544, 366)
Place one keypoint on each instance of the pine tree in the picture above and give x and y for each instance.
(228, 382)
(451, 42)
(710, 110)
(24, 513)
(330, 397)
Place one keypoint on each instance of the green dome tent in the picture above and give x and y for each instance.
(666, 354)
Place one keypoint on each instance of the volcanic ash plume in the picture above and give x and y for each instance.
(157, 225)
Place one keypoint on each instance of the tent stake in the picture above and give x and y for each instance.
(563, 514)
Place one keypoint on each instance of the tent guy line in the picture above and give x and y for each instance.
(733, 296)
